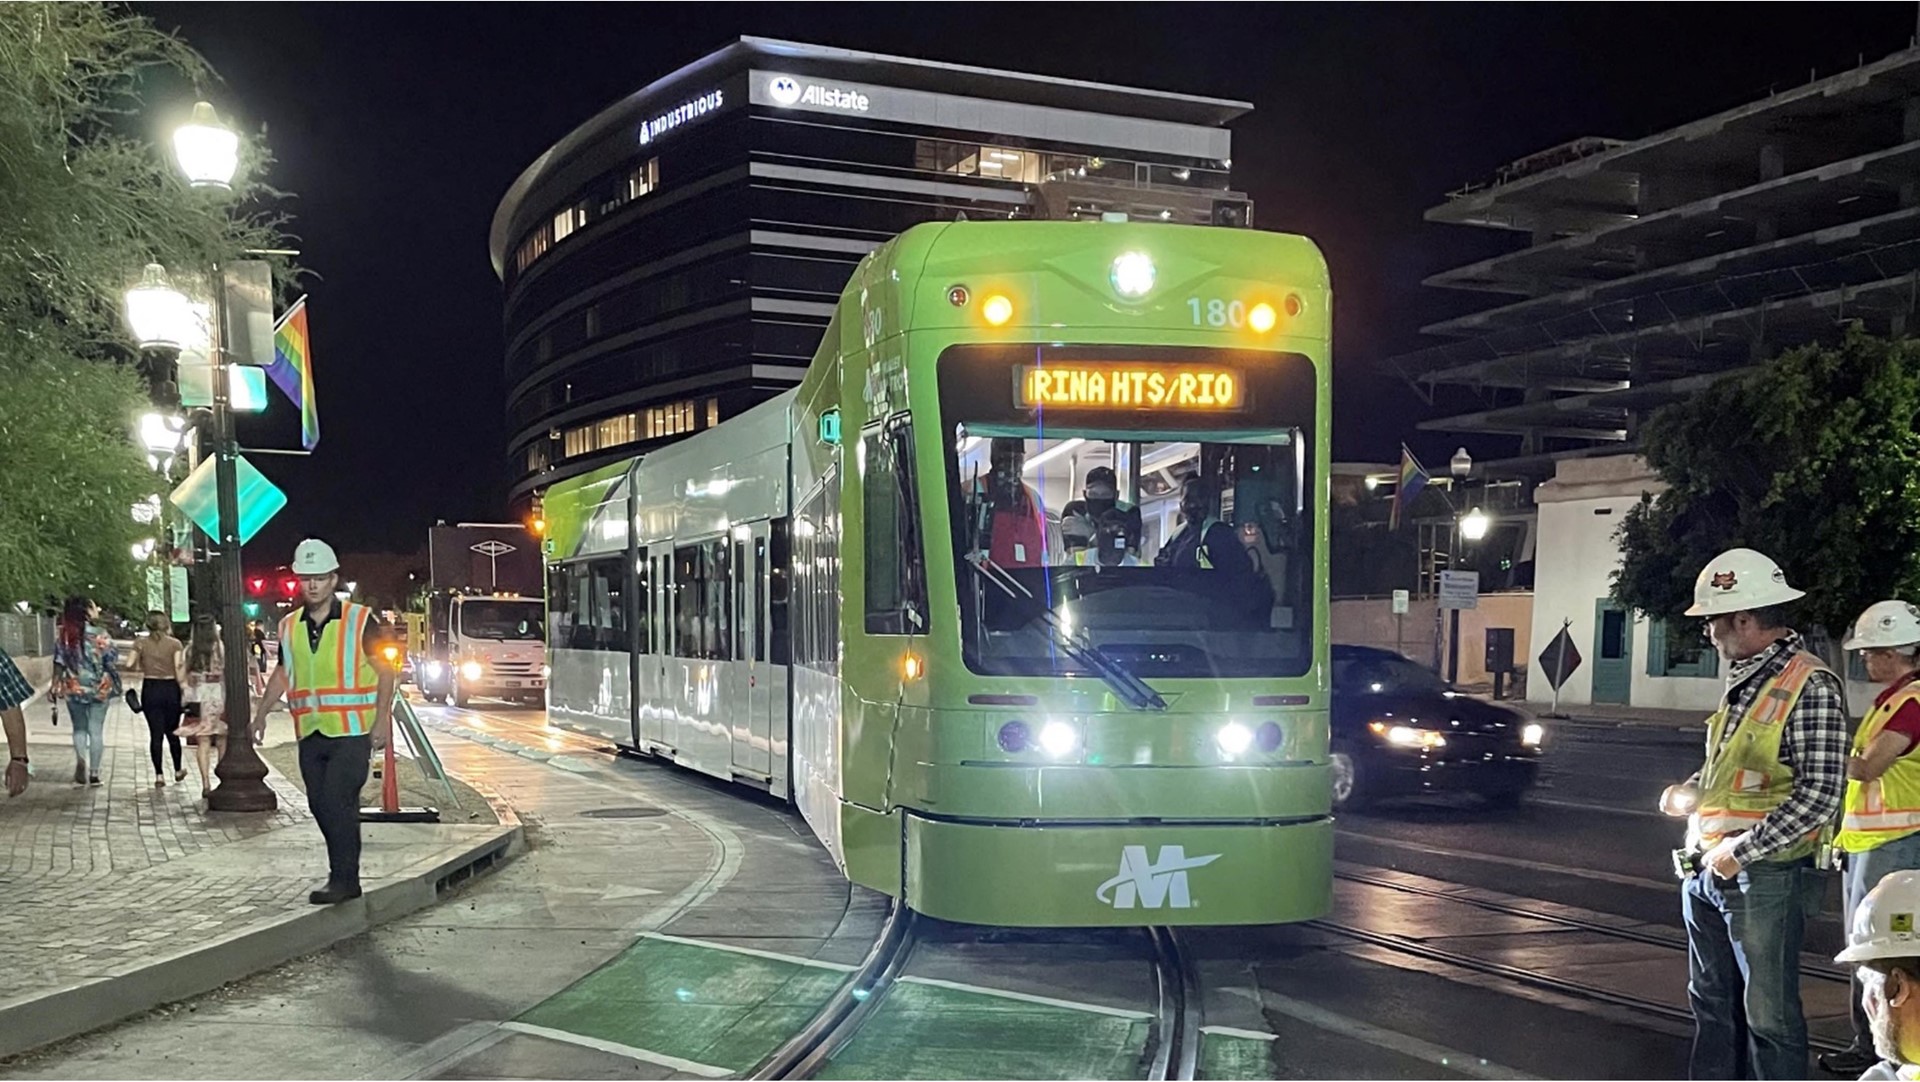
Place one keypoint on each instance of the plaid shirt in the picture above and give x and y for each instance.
(14, 689)
(1813, 745)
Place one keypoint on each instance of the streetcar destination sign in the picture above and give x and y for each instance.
(1129, 386)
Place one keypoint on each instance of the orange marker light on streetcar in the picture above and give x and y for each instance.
(1261, 317)
(911, 666)
(997, 309)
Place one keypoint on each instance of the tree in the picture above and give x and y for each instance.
(88, 201)
(1813, 461)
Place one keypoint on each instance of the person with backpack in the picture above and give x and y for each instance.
(86, 675)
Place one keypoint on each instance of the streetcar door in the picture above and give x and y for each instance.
(752, 739)
(649, 673)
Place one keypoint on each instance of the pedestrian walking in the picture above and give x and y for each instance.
(1775, 771)
(340, 692)
(205, 721)
(15, 691)
(86, 675)
(1880, 828)
(1885, 952)
(161, 661)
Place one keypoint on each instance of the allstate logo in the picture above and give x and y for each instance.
(784, 89)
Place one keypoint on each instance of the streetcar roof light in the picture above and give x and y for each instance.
(996, 309)
(1261, 317)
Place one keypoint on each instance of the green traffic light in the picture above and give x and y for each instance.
(252, 608)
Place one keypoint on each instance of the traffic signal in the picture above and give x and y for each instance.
(538, 526)
(252, 608)
(256, 585)
(290, 586)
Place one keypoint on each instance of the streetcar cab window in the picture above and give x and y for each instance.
(895, 578)
(1172, 535)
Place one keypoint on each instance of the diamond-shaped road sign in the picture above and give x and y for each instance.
(199, 497)
(1559, 660)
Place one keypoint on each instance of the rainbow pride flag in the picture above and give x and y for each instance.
(1412, 480)
(292, 370)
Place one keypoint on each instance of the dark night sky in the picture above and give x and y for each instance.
(400, 126)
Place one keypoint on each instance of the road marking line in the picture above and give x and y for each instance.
(1027, 997)
(1244, 1034)
(658, 1059)
(751, 951)
(1581, 805)
(1407, 1045)
(1517, 862)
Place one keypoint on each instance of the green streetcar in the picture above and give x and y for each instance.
(943, 596)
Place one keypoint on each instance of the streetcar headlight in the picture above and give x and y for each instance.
(1234, 738)
(1406, 736)
(1532, 734)
(1132, 274)
(472, 670)
(1058, 738)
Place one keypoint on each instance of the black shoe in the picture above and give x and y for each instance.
(1849, 1061)
(94, 781)
(334, 894)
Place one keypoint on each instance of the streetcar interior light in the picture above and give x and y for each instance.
(1532, 734)
(1261, 317)
(1132, 274)
(996, 309)
(1058, 738)
(1234, 738)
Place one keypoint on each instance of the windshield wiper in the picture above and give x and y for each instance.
(1077, 645)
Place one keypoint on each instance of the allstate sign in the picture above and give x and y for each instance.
(787, 90)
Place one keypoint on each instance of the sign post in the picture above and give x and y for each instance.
(1458, 590)
(1558, 661)
(1401, 602)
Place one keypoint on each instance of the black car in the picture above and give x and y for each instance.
(1399, 730)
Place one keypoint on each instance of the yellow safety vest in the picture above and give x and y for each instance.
(333, 690)
(1887, 808)
(1744, 778)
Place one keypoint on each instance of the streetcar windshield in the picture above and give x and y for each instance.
(1174, 547)
(505, 620)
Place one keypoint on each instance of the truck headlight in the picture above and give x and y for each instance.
(472, 670)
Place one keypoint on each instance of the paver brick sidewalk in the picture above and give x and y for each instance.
(98, 883)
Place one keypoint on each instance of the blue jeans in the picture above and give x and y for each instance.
(89, 732)
(1743, 970)
(1864, 872)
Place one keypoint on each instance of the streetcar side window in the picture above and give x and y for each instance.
(816, 551)
(895, 590)
(606, 590)
(560, 612)
(780, 560)
(702, 614)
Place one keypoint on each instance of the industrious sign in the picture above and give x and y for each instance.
(673, 118)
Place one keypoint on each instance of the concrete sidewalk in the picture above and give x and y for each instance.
(126, 896)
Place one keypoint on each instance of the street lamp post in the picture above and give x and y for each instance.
(208, 153)
(1461, 466)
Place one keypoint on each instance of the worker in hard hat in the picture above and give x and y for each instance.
(1774, 775)
(1880, 828)
(1885, 952)
(340, 691)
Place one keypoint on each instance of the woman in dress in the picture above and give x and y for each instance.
(206, 721)
(86, 673)
(161, 661)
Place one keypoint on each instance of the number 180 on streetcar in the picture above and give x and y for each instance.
(1020, 596)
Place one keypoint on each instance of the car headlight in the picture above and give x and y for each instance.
(1532, 734)
(472, 670)
(1058, 738)
(436, 669)
(1233, 738)
(1406, 736)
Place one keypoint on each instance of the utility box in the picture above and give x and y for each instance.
(1499, 649)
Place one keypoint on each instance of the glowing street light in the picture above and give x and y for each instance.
(1474, 525)
(159, 315)
(208, 151)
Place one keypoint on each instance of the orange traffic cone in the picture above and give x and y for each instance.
(390, 785)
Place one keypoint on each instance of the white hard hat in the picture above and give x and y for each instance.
(1739, 580)
(1885, 623)
(1883, 923)
(312, 557)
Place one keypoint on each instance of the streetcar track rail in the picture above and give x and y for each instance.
(1816, 970)
(1530, 977)
(1176, 1053)
(852, 1003)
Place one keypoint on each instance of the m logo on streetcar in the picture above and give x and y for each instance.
(1152, 885)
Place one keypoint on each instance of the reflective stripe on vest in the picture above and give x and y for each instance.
(334, 690)
(1888, 807)
(1744, 778)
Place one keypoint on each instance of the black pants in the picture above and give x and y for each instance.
(160, 702)
(334, 769)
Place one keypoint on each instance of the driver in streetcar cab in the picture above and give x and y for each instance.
(1012, 526)
(1203, 541)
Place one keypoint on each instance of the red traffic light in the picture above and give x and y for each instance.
(291, 586)
(256, 585)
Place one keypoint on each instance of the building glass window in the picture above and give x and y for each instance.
(644, 179)
(713, 412)
(568, 220)
(1677, 648)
